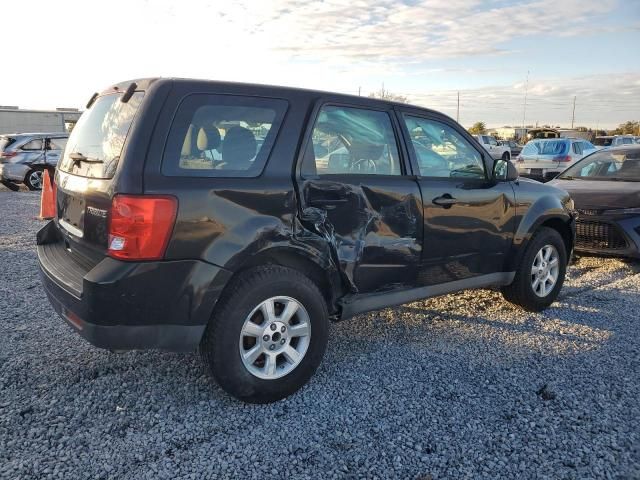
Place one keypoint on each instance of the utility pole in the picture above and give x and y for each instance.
(573, 115)
(524, 109)
(359, 90)
(458, 109)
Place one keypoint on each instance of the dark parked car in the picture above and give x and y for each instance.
(174, 230)
(25, 156)
(606, 189)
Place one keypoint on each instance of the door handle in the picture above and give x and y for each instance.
(445, 201)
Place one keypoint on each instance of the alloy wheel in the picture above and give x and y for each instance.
(275, 337)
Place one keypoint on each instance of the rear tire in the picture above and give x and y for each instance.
(524, 290)
(34, 178)
(240, 345)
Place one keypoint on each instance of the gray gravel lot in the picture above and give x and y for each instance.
(461, 386)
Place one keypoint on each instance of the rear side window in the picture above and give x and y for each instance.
(99, 136)
(222, 136)
(35, 144)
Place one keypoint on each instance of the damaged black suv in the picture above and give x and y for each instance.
(242, 218)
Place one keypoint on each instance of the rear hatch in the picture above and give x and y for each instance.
(86, 172)
(552, 153)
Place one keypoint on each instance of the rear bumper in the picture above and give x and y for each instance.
(13, 172)
(125, 305)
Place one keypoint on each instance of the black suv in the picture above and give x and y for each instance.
(241, 218)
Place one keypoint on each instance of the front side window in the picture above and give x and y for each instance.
(35, 144)
(441, 151)
(349, 140)
(222, 136)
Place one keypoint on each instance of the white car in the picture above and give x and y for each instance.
(544, 158)
(492, 146)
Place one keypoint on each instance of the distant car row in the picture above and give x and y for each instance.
(615, 141)
(24, 157)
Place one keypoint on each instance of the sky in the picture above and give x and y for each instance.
(492, 52)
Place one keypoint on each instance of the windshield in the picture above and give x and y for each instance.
(96, 142)
(607, 165)
(546, 147)
(5, 142)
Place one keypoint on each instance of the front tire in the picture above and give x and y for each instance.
(267, 335)
(541, 272)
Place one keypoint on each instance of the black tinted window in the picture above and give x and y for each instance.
(222, 136)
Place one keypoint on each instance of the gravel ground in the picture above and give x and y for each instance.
(461, 386)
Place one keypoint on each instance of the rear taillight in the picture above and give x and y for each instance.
(8, 154)
(140, 226)
(562, 158)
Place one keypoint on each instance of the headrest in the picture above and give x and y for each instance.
(239, 146)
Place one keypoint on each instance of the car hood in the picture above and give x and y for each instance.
(595, 194)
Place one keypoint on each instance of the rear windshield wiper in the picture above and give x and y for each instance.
(78, 157)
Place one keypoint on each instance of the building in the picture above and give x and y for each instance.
(16, 120)
(508, 133)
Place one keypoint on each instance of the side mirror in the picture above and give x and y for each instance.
(504, 171)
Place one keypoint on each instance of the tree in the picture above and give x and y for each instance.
(630, 127)
(387, 95)
(478, 128)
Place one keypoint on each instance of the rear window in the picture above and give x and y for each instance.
(99, 136)
(222, 136)
(546, 147)
(5, 142)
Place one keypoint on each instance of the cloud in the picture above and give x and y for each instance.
(392, 31)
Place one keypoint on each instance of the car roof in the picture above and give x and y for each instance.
(276, 90)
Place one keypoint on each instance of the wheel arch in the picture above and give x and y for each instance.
(310, 263)
(547, 211)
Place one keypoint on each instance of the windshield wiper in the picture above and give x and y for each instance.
(79, 157)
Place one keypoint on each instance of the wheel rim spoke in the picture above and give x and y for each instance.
(268, 310)
(291, 354)
(252, 330)
(288, 312)
(300, 330)
(271, 364)
(252, 355)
